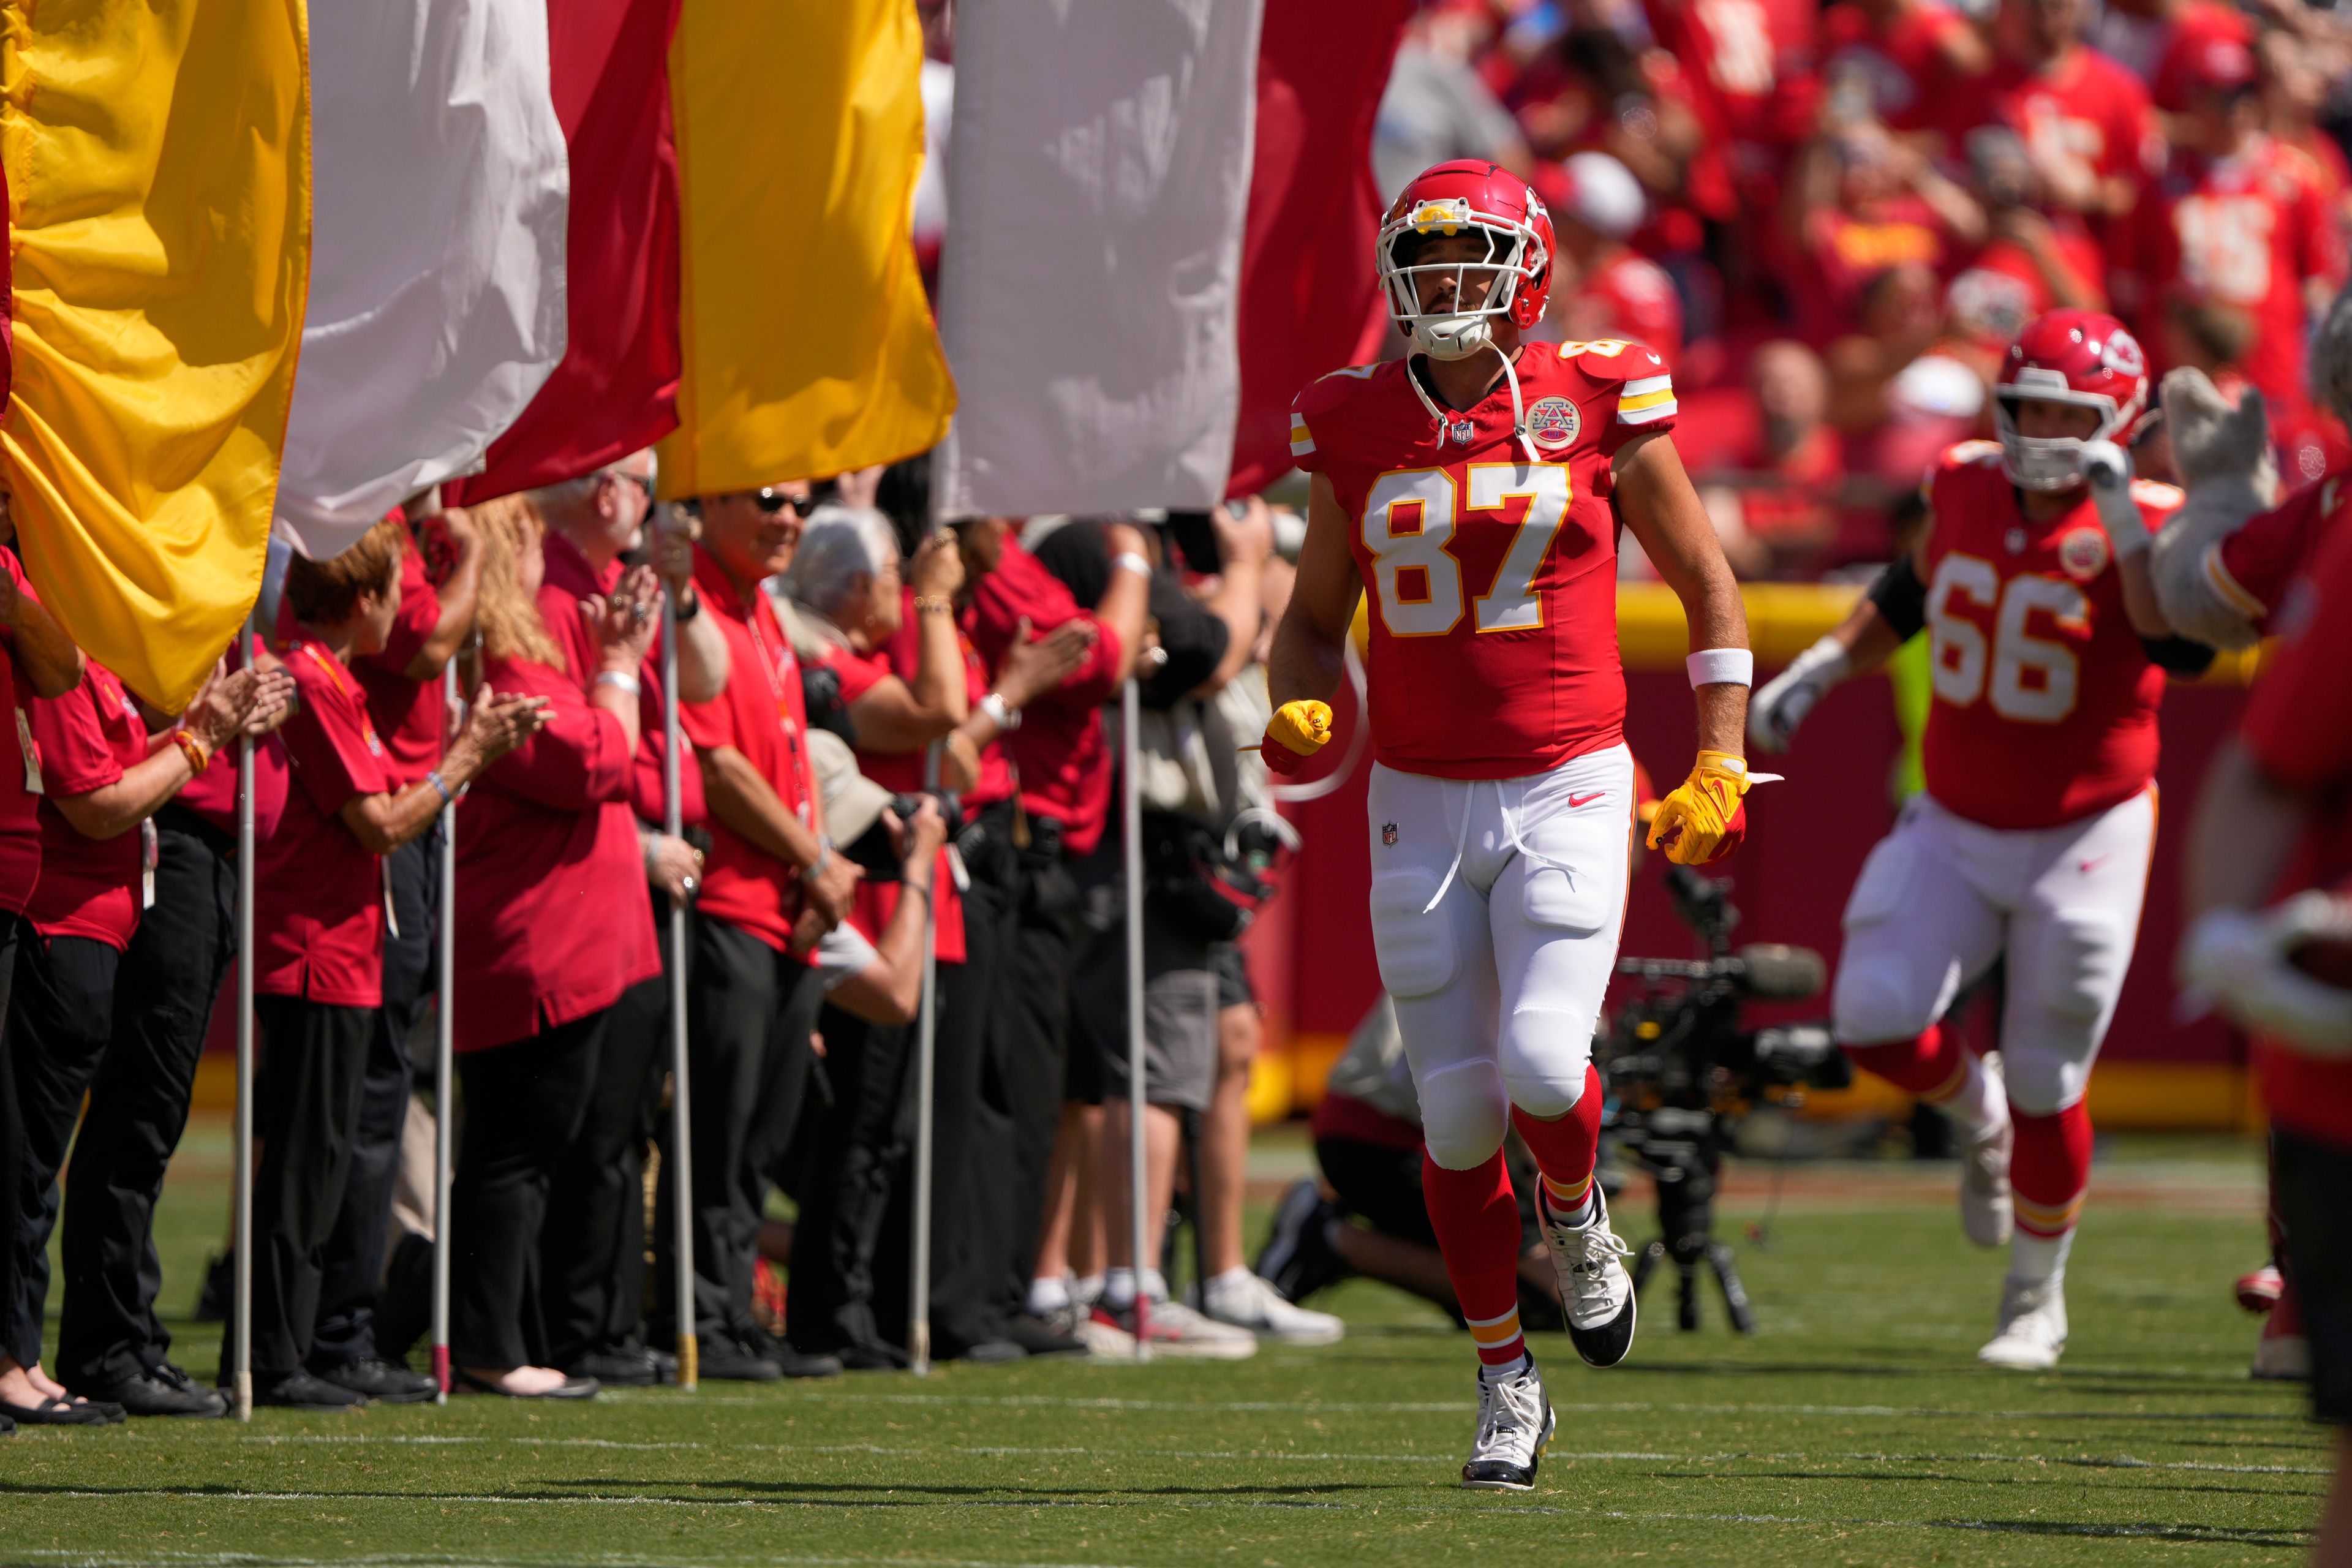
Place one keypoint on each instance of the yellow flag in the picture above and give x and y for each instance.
(808, 345)
(159, 184)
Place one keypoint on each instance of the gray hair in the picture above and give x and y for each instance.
(839, 544)
(568, 497)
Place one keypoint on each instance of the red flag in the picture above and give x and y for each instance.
(616, 390)
(1308, 286)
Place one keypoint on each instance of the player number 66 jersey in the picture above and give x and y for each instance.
(1491, 580)
(2044, 704)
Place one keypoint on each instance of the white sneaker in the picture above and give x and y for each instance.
(1988, 1211)
(2032, 1328)
(2282, 1358)
(1242, 1300)
(1595, 1291)
(1515, 1426)
(1104, 1340)
(1173, 1328)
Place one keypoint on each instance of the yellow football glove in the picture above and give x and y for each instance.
(1702, 819)
(1296, 731)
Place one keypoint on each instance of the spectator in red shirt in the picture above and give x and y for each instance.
(2032, 261)
(1776, 484)
(319, 939)
(438, 579)
(591, 1255)
(1899, 62)
(1064, 779)
(1605, 289)
(102, 775)
(773, 886)
(2159, 40)
(1861, 205)
(2085, 121)
(553, 926)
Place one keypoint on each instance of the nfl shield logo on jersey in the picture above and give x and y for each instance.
(1388, 834)
(1461, 432)
(1552, 423)
(2084, 553)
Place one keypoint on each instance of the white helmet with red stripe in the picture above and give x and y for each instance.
(2083, 357)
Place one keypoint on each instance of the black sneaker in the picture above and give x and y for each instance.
(384, 1382)
(621, 1368)
(874, 1356)
(726, 1360)
(790, 1362)
(665, 1367)
(162, 1390)
(1297, 1259)
(989, 1352)
(301, 1391)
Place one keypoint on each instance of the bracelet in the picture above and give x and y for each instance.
(621, 680)
(1721, 666)
(934, 604)
(689, 606)
(192, 746)
(1128, 560)
(815, 867)
(438, 783)
(1007, 717)
(917, 887)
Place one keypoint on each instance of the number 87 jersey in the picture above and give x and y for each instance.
(1491, 578)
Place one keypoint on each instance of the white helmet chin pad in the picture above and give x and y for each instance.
(1453, 337)
(2052, 462)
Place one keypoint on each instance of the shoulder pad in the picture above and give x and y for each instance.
(1333, 388)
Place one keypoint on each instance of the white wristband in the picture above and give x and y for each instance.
(621, 680)
(1721, 666)
(1128, 560)
(1007, 717)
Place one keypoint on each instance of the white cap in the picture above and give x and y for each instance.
(1603, 196)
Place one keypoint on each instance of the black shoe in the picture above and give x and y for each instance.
(665, 1367)
(1297, 1259)
(1038, 1337)
(792, 1363)
(384, 1382)
(622, 1368)
(163, 1390)
(219, 1289)
(725, 1361)
(54, 1412)
(874, 1356)
(301, 1391)
(990, 1352)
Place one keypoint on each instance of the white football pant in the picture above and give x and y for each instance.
(1942, 897)
(1496, 906)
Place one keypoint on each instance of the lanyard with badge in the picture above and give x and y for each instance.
(780, 668)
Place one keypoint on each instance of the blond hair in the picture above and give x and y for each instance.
(509, 618)
(326, 593)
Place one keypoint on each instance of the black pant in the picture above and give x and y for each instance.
(524, 1105)
(749, 1009)
(971, 1141)
(355, 1253)
(2309, 1182)
(14, 932)
(1028, 1047)
(858, 1158)
(593, 1248)
(164, 993)
(306, 1111)
(63, 1003)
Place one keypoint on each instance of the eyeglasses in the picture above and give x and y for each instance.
(643, 481)
(773, 501)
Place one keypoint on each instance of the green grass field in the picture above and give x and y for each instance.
(1855, 1428)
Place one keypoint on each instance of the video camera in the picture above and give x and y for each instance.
(1681, 1071)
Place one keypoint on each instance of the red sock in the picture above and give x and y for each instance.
(2051, 1169)
(1565, 1150)
(1930, 1066)
(1477, 1224)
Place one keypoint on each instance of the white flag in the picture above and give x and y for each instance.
(1099, 175)
(441, 184)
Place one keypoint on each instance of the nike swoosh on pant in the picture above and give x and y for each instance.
(1576, 800)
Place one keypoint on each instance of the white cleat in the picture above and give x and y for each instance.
(2032, 1328)
(1595, 1291)
(1515, 1426)
(1242, 1300)
(1987, 1210)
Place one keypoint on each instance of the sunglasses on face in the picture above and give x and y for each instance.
(773, 501)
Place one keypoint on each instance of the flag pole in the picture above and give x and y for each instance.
(444, 1074)
(241, 1205)
(919, 1303)
(1130, 752)
(681, 1177)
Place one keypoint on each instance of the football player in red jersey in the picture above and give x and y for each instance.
(2032, 841)
(1475, 490)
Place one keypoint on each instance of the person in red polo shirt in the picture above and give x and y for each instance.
(440, 569)
(102, 775)
(592, 1252)
(1063, 767)
(319, 939)
(773, 886)
(553, 925)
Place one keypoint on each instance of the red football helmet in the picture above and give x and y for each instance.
(2082, 357)
(1466, 196)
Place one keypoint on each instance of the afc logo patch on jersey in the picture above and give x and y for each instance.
(1553, 424)
(2084, 553)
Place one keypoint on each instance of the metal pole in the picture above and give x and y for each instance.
(445, 1070)
(1138, 1201)
(241, 1222)
(918, 1293)
(681, 1155)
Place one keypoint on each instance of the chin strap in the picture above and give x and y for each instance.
(1519, 406)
